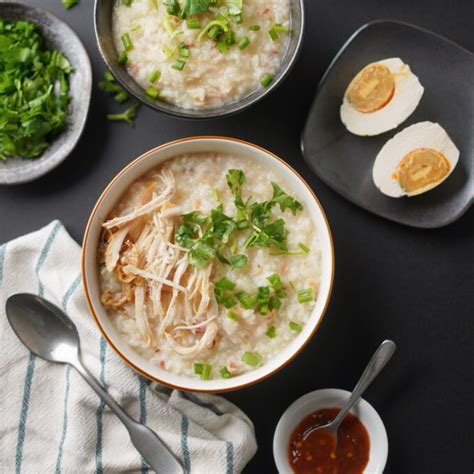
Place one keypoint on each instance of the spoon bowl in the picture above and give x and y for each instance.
(43, 328)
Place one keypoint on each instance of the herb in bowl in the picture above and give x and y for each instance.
(34, 91)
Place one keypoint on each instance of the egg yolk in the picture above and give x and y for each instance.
(421, 168)
(371, 89)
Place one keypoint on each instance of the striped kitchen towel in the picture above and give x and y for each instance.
(51, 421)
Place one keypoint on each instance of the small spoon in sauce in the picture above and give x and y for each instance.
(378, 361)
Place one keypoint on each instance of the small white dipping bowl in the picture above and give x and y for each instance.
(292, 181)
(329, 398)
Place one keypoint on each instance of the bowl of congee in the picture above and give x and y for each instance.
(199, 59)
(208, 264)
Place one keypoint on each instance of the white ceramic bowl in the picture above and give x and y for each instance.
(112, 194)
(327, 398)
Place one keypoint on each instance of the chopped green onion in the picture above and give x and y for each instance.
(233, 315)
(230, 40)
(304, 248)
(154, 76)
(254, 27)
(266, 80)
(183, 51)
(193, 24)
(121, 97)
(246, 300)
(295, 326)
(216, 195)
(275, 303)
(222, 46)
(198, 368)
(108, 76)
(273, 34)
(221, 24)
(271, 332)
(275, 281)
(281, 293)
(206, 372)
(292, 285)
(126, 41)
(264, 309)
(152, 92)
(123, 58)
(67, 4)
(244, 42)
(225, 283)
(225, 373)
(178, 65)
(280, 28)
(136, 28)
(238, 19)
(229, 302)
(167, 50)
(252, 358)
(214, 32)
(128, 115)
(305, 296)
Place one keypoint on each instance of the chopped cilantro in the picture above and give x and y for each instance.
(34, 91)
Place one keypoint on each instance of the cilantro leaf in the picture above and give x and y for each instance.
(172, 7)
(284, 200)
(201, 254)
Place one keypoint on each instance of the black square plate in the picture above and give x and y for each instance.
(344, 161)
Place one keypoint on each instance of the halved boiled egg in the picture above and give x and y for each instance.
(415, 160)
(380, 97)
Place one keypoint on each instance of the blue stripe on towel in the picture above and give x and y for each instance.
(143, 415)
(3, 248)
(67, 296)
(184, 443)
(31, 361)
(195, 399)
(230, 457)
(100, 410)
(24, 411)
(44, 254)
(65, 421)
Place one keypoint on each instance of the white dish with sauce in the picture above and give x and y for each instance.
(326, 398)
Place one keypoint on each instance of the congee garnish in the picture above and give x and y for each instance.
(34, 91)
(216, 47)
(209, 265)
(109, 85)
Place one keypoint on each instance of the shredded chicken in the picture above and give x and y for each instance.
(172, 303)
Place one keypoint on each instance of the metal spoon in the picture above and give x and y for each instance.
(381, 356)
(49, 333)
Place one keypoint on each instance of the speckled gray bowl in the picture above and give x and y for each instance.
(57, 35)
(103, 30)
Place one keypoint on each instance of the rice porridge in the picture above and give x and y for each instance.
(209, 266)
(203, 54)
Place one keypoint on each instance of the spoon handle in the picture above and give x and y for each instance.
(381, 356)
(143, 438)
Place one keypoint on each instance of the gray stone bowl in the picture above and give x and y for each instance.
(57, 35)
(103, 30)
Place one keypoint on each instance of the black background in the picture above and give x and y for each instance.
(413, 286)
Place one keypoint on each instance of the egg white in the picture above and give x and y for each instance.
(420, 135)
(406, 97)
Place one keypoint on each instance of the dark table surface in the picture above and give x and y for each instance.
(415, 287)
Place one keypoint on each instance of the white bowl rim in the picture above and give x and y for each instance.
(316, 400)
(187, 383)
